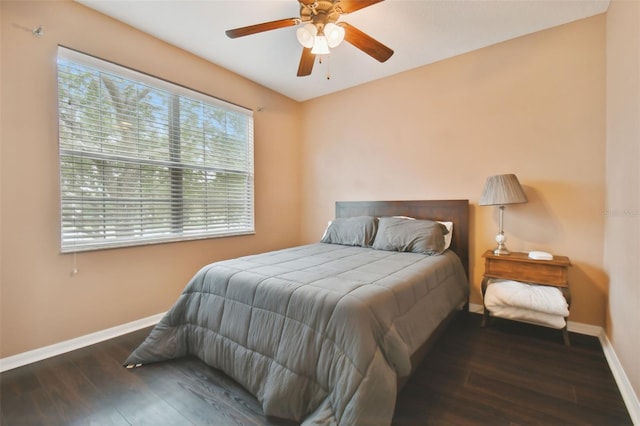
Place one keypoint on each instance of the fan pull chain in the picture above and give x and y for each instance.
(320, 57)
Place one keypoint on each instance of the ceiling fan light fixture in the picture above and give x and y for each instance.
(305, 34)
(320, 45)
(319, 29)
(334, 34)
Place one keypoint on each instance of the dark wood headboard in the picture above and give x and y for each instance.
(456, 211)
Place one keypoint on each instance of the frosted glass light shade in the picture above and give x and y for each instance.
(320, 45)
(305, 35)
(334, 34)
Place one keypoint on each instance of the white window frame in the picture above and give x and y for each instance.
(121, 188)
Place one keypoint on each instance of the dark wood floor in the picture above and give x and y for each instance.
(506, 374)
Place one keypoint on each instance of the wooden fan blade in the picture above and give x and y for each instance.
(265, 26)
(348, 6)
(306, 62)
(366, 43)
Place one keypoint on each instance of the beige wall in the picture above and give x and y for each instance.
(622, 226)
(41, 303)
(533, 106)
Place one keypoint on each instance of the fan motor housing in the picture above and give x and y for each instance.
(320, 12)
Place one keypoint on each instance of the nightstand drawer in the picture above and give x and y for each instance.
(519, 267)
(539, 274)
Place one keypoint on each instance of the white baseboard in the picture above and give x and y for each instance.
(35, 355)
(624, 385)
(588, 329)
(475, 308)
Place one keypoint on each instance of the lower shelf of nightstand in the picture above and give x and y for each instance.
(496, 292)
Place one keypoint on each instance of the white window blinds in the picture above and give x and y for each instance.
(146, 161)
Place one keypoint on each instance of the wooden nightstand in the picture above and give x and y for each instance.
(519, 267)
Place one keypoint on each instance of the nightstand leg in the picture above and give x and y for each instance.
(565, 336)
(485, 317)
(465, 307)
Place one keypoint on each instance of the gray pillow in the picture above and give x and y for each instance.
(413, 235)
(351, 231)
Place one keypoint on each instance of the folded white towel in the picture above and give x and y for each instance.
(515, 294)
(526, 315)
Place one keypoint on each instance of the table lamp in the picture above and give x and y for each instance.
(500, 190)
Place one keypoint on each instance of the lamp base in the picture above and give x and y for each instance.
(502, 248)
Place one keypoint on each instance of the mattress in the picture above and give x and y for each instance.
(318, 333)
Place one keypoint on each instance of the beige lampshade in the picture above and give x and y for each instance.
(502, 189)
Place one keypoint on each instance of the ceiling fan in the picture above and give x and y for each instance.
(322, 31)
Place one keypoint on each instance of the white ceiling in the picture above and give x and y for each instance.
(419, 31)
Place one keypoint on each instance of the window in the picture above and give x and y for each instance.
(146, 161)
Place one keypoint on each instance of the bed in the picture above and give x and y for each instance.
(325, 333)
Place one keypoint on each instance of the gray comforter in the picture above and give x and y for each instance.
(318, 333)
